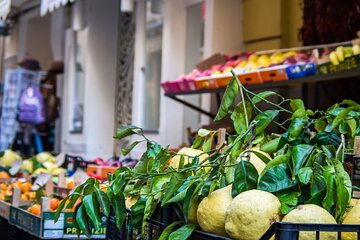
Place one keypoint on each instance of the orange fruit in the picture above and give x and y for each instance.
(70, 185)
(25, 187)
(4, 174)
(35, 209)
(54, 203)
(31, 195)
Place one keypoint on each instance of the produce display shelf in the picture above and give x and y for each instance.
(285, 83)
(266, 85)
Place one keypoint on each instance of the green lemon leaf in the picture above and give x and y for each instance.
(229, 96)
(125, 131)
(82, 221)
(183, 233)
(128, 149)
(246, 178)
(92, 208)
(305, 174)
(167, 231)
(260, 96)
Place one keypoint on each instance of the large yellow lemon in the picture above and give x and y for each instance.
(212, 209)
(251, 213)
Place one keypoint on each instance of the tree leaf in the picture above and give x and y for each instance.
(296, 126)
(204, 132)
(157, 185)
(238, 117)
(176, 181)
(277, 175)
(272, 146)
(299, 154)
(330, 198)
(92, 209)
(189, 194)
(118, 204)
(341, 116)
(125, 131)
(167, 231)
(229, 96)
(128, 149)
(82, 221)
(264, 119)
(103, 200)
(119, 183)
(137, 213)
(149, 210)
(260, 96)
(320, 124)
(183, 233)
(297, 104)
(246, 178)
(305, 174)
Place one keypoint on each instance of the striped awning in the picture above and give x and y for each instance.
(5, 6)
(51, 5)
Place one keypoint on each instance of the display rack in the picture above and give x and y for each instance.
(266, 85)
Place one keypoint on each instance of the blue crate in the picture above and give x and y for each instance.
(300, 70)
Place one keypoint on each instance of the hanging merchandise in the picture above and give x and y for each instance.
(16, 81)
(31, 107)
(51, 5)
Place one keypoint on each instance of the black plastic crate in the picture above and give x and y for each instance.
(162, 217)
(291, 231)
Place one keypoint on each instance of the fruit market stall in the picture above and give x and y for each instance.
(31, 190)
(238, 186)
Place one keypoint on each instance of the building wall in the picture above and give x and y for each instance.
(100, 78)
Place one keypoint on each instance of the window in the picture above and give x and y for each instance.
(77, 95)
(152, 68)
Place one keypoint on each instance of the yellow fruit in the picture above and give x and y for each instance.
(27, 165)
(45, 157)
(189, 154)
(212, 209)
(9, 157)
(333, 58)
(50, 166)
(57, 171)
(251, 213)
(255, 160)
(350, 206)
(310, 213)
(194, 204)
(340, 53)
(353, 217)
(356, 49)
(40, 170)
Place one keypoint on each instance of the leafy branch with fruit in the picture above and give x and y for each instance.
(242, 185)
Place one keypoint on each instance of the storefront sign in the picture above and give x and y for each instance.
(5, 6)
(51, 5)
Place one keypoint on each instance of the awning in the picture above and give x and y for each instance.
(51, 5)
(5, 6)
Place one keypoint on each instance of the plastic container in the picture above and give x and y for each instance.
(250, 78)
(273, 74)
(300, 70)
(206, 83)
(290, 231)
(162, 217)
